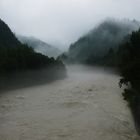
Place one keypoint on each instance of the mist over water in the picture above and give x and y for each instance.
(87, 105)
(28, 78)
(42, 96)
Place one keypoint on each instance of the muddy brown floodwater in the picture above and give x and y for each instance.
(87, 105)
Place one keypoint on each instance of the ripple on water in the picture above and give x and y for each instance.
(73, 104)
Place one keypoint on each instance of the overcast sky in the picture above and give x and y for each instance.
(61, 22)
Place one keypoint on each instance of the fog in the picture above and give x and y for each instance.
(30, 78)
(86, 105)
(61, 22)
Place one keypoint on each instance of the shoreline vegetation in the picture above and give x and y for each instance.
(21, 66)
(29, 78)
(130, 72)
(125, 58)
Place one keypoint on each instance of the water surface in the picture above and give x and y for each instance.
(87, 105)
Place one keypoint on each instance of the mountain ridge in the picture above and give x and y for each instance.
(7, 37)
(40, 46)
(98, 41)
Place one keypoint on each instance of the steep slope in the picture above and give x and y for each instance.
(15, 56)
(40, 46)
(130, 72)
(7, 38)
(98, 41)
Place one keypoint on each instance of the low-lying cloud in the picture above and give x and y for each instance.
(61, 22)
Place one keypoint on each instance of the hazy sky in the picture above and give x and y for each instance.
(61, 22)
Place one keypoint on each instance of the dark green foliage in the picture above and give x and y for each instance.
(21, 66)
(130, 71)
(7, 38)
(130, 62)
(23, 58)
(131, 96)
(94, 48)
(110, 59)
(15, 56)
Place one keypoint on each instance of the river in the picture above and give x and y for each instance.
(87, 105)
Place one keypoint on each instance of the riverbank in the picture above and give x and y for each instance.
(86, 105)
(29, 78)
(133, 99)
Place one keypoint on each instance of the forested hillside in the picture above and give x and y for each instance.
(15, 56)
(40, 46)
(130, 72)
(7, 38)
(100, 43)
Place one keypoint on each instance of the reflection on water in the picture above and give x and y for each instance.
(87, 105)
